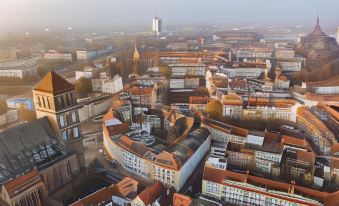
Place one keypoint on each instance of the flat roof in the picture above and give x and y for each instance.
(19, 64)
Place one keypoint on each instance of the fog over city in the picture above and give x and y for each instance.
(126, 14)
(169, 102)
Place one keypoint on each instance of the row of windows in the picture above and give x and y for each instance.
(44, 102)
(267, 156)
(239, 196)
(64, 117)
(164, 175)
(65, 100)
(61, 102)
(70, 134)
(34, 198)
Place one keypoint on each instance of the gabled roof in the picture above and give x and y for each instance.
(152, 193)
(53, 83)
(125, 188)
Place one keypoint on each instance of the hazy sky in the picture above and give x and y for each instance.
(131, 13)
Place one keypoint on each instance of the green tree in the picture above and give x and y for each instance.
(214, 108)
(114, 68)
(166, 71)
(83, 87)
(3, 106)
(201, 92)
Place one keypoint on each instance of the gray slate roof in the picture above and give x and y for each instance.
(25, 146)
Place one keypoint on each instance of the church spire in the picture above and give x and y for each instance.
(136, 53)
(136, 57)
(318, 23)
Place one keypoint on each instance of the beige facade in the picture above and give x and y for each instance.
(61, 108)
(243, 189)
(144, 167)
(225, 136)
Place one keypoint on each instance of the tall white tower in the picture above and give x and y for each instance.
(338, 35)
(157, 25)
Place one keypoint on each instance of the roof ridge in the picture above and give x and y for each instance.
(53, 83)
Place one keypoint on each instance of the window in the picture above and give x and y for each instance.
(39, 101)
(43, 102)
(75, 132)
(68, 102)
(69, 170)
(64, 135)
(62, 102)
(62, 121)
(48, 104)
(70, 98)
(74, 117)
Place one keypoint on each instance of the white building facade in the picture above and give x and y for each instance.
(157, 25)
(113, 85)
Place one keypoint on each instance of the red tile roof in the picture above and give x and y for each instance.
(305, 113)
(151, 193)
(198, 100)
(219, 176)
(294, 141)
(16, 183)
(141, 90)
(306, 157)
(122, 189)
(181, 200)
(332, 112)
(275, 102)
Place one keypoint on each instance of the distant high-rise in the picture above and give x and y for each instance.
(157, 25)
(338, 35)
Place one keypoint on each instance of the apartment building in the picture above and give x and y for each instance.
(172, 166)
(244, 189)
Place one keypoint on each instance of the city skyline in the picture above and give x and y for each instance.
(169, 102)
(130, 14)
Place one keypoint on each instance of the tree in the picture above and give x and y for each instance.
(214, 108)
(114, 68)
(3, 106)
(201, 92)
(26, 114)
(83, 87)
(166, 71)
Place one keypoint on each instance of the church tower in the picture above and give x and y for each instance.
(55, 98)
(136, 58)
